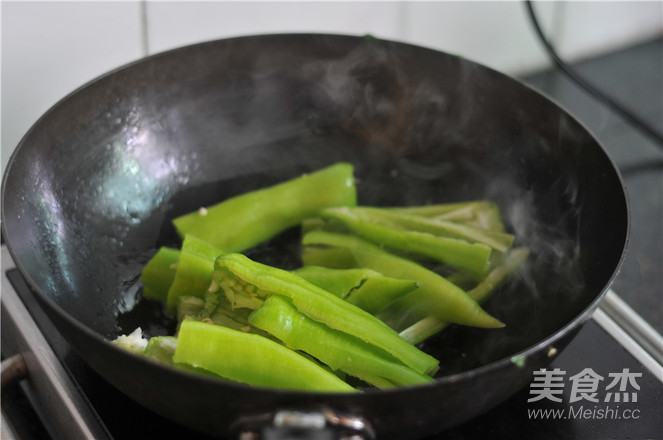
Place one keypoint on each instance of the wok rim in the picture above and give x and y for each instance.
(527, 352)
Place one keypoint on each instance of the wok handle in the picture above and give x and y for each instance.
(312, 425)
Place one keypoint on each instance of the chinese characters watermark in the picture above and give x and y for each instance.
(586, 385)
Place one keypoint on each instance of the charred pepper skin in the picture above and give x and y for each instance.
(232, 354)
(242, 222)
(233, 272)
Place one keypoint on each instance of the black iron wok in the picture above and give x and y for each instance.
(89, 193)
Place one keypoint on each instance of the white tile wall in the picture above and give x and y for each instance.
(50, 48)
(585, 27)
(496, 34)
(173, 23)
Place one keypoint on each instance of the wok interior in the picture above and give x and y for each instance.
(91, 191)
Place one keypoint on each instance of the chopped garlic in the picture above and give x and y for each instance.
(202, 211)
(134, 342)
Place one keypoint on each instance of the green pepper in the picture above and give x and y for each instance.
(242, 278)
(251, 359)
(159, 273)
(367, 289)
(471, 257)
(429, 326)
(312, 224)
(337, 281)
(337, 349)
(499, 241)
(215, 309)
(464, 210)
(435, 296)
(480, 213)
(332, 257)
(194, 270)
(161, 348)
(322, 224)
(189, 306)
(377, 292)
(243, 221)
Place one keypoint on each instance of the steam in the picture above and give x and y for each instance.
(434, 129)
(365, 93)
(438, 131)
(554, 250)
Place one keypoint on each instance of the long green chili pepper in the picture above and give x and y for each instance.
(159, 273)
(243, 221)
(337, 281)
(471, 257)
(500, 241)
(194, 270)
(429, 326)
(332, 257)
(435, 296)
(242, 278)
(490, 217)
(467, 209)
(162, 349)
(377, 292)
(480, 213)
(462, 280)
(189, 306)
(337, 349)
(367, 289)
(233, 354)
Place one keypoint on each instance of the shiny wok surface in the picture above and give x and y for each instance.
(90, 191)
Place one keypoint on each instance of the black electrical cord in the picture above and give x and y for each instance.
(635, 120)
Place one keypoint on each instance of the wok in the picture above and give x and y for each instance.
(90, 191)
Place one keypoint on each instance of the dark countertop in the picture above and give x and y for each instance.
(633, 76)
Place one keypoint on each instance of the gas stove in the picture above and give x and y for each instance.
(608, 383)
